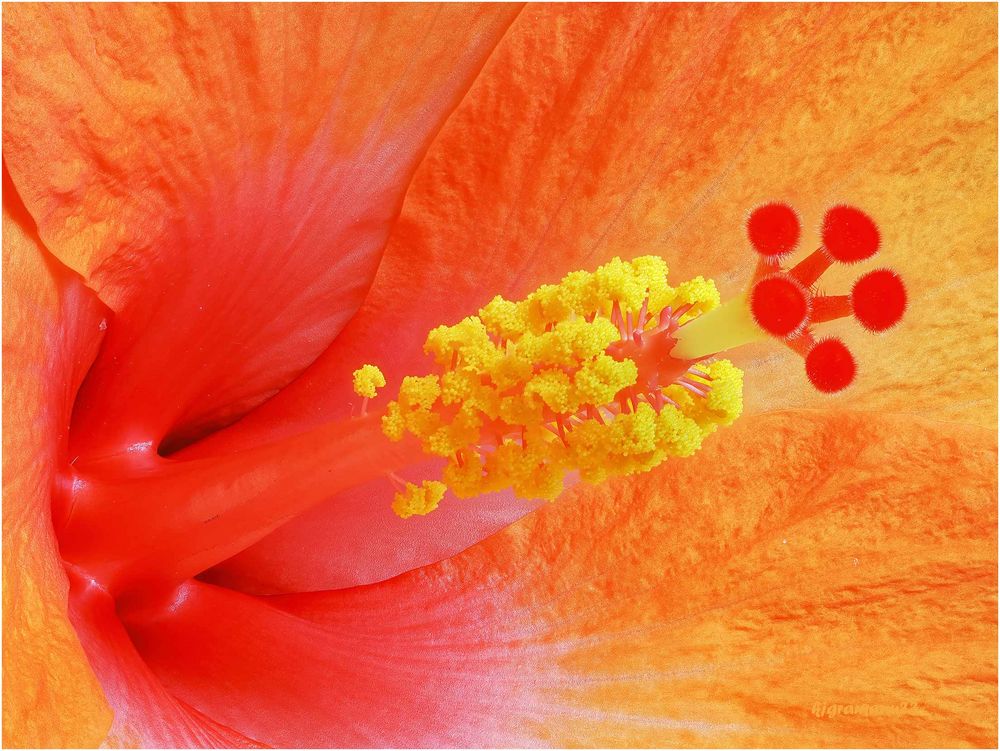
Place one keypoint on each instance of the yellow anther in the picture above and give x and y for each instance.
(618, 282)
(679, 434)
(462, 431)
(422, 423)
(554, 388)
(586, 340)
(681, 398)
(599, 380)
(368, 379)
(634, 434)
(541, 476)
(588, 442)
(465, 476)
(419, 500)
(467, 342)
(568, 343)
(548, 305)
(509, 461)
(503, 318)
(458, 386)
(413, 411)
(393, 423)
(701, 293)
(725, 398)
(521, 410)
(581, 293)
(514, 369)
(651, 271)
(577, 376)
(419, 391)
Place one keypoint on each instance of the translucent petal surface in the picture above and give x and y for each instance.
(226, 178)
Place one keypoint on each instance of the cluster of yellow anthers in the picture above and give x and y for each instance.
(576, 377)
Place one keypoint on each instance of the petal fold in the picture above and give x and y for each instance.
(146, 714)
(51, 329)
(225, 177)
(289, 681)
(355, 538)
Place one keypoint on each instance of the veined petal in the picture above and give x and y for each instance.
(50, 334)
(803, 560)
(225, 178)
(451, 253)
(288, 681)
(146, 715)
(635, 140)
(652, 129)
(808, 559)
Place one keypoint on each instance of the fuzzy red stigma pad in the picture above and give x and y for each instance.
(780, 305)
(774, 230)
(784, 304)
(830, 366)
(850, 235)
(879, 299)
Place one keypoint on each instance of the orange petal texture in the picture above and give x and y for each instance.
(631, 139)
(601, 130)
(225, 178)
(50, 333)
(802, 560)
(230, 181)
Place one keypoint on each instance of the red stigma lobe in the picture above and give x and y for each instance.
(780, 305)
(773, 230)
(879, 299)
(830, 366)
(850, 235)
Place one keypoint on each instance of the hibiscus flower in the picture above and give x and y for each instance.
(214, 216)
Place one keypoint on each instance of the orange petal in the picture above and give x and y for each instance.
(801, 562)
(50, 334)
(225, 178)
(801, 559)
(653, 129)
(513, 142)
(628, 129)
(804, 560)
